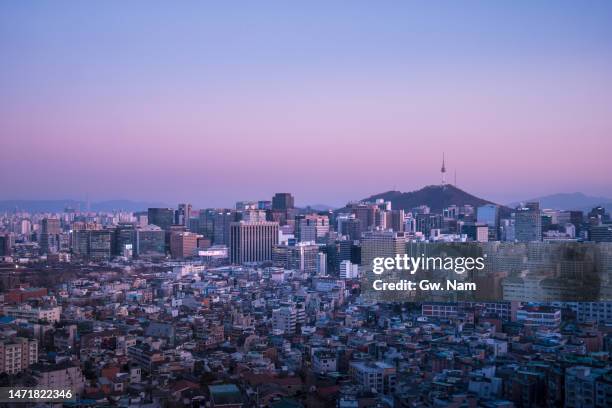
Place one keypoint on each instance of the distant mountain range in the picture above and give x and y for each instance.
(61, 205)
(435, 197)
(570, 201)
(319, 207)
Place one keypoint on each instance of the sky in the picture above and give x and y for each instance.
(214, 102)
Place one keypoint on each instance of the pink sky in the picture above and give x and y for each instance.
(103, 111)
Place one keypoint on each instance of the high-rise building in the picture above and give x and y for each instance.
(598, 215)
(301, 256)
(100, 245)
(162, 217)
(576, 218)
(348, 270)
(95, 245)
(206, 222)
(600, 233)
(222, 220)
(282, 201)
(349, 226)
(476, 231)
(252, 241)
(50, 226)
(528, 223)
(150, 241)
(253, 215)
(48, 243)
(322, 264)
(386, 244)
(183, 244)
(5, 245)
(80, 242)
(125, 238)
(489, 214)
(397, 220)
(366, 214)
(50, 229)
(305, 228)
(182, 214)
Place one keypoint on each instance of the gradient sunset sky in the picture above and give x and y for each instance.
(216, 102)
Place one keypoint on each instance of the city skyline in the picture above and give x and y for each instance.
(214, 105)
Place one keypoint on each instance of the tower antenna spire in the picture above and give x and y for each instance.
(443, 170)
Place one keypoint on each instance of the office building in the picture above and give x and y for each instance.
(476, 231)
(282, 201)
(50, 226)
(488, 214)
(252, 241)
(301, 256)
(221, 221)
(182, 215)
(322, 264)
(397, 220)
(150, 241)
(366, 214)
(49, 235)
(375, 244)
(305, 229)
(183, 244)
(349, 226)
(162, 217)
(100, 245)
(93, 244)
(348, 270)
(125, 239)
(528, 223)
(600, 233)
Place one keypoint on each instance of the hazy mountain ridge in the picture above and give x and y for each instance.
(435, 197)
(60, 205)
(570, 201)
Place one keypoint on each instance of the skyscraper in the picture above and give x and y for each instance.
(366, 214)
(100, 245)
(150, 241)
(282, 201)
(252, 241)
(301, 256)
(305, 228)
(350, 226)
(49, 235)
(397, 220)
(183, 244)
(221, 221)
(125, 238)
(162, 217)
(489, 214)
(51, 226)
(92, 244)
(386, 244)
(182, 214)
(528, 223)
